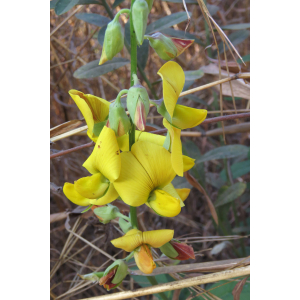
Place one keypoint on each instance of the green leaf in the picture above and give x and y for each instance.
(213, 9)
(53, 3)
(246, 58)
(142, 54)
(181, 34)
(193, 75)
(117, 3)
(236, 38)
(63, 6)
(237, 170)
(224, 152)
(233, 192)
(236, 26)
(101, 35)
(92, 69)
(167, 21)
(94, 19)
(223, 289)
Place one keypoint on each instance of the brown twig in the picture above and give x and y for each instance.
(61, 153)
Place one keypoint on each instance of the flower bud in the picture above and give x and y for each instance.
(140, 12)
(118, 121)
(167, 47)
(177, 250)
(144, 260)
(150, 3)
(106, 213)
(114, 275)
(125, 226)
(113, 41)
(138, 104)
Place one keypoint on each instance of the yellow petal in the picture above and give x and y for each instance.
(92, 187)
(173, 82)
(156, 160)
(110, 195)
(92, 136)
(134, 184)
(157, 238)
(186, 117)
(176, 148)
(188, 163)
(183, 193)
(169, 188)
(90, 163)
(144, 260)
(107, 154)
(164, 204)
(74, 196)
(103, 57)
(130, 241)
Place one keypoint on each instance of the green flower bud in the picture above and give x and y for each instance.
(167, 47)
(125, 226)
(138, 104)
(118, 120)
(114, 274)
(106, 213)
(113, 41)
(140, 12)
(150, 3)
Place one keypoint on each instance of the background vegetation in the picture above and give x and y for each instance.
(222, 165)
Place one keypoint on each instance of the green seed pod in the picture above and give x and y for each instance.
(140, 12)
(113, 41)
(138, 104)
(106, 213)
(118, 120)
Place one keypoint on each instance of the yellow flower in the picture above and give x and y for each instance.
(105, 165)
(139, 242)
(94, 110)
(146, 177)
(178, 117)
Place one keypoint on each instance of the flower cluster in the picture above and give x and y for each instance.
(136, 167)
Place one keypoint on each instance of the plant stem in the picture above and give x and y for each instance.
(133, 56)
(153, 281)
(107, 8)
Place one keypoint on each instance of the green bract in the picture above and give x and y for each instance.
(107, 213)
(140, 12)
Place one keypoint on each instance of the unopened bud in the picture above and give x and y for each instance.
(138, 104)
(177, 250)
(118, 120)
(113, 41)
(114, 275)
(150, 3)
(140, 12)
(167, 47)
(106, 213)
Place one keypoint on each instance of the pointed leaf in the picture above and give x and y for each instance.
(101, 35)
(92, 69)
(94, 19)
(236, 26)
(231, 193)
(63, 6)
(117, 3)
(142, 54)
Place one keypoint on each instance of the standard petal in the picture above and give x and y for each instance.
(188, 163)
(186, 117)
(156, 160)
(173, 81)
(176, 148)
(157, 238)
(183, 193)
(164, 204)
(144, 260)
(99, 107)
(134, 184)
(92, 187)
(130, 241)
(107, 154)
(110, 195)
(74, 196)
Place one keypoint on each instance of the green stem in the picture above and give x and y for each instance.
(153, 281)
(123, 217)
(133, 217)
(129, 256)
(107, 8)
(122, 11)
(120, 94)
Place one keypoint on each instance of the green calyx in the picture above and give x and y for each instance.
(113, 39)
(92, 276)
(162, 45)
(168, 250)
(140, 12)
(121, 273)
(107, 213)
(118, 120)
